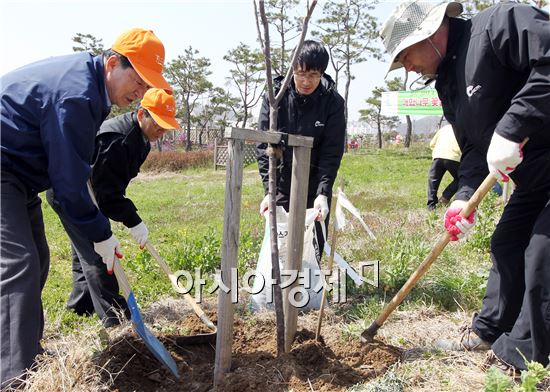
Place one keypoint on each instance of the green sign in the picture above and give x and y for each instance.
(414, 103)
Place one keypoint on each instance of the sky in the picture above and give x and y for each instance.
(32, 30)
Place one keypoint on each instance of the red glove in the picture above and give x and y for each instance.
(458, 226)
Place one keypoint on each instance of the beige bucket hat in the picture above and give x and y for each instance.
(413, 21)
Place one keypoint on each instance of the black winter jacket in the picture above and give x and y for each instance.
(495, 77)
(319, 115)
(121, 149)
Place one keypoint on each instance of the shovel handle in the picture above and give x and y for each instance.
(121, 278)
(444, 239)
(164, 266)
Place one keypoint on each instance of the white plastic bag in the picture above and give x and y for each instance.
(308, 295)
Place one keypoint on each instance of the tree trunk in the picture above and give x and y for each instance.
(348, 82)
(188, 129)
(379, 132)
(274, 153)
(245, 119)
(408, 135)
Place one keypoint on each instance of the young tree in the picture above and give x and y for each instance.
(372, 114)
(279, 15)
(188, 75)
(247, 74)
(275, 153)
(88, 43)
(350, 33)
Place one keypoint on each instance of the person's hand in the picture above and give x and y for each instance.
(320, 204)
(503, 157)
(264, 205)
(458, 226)
(108, 249)
(140, 233)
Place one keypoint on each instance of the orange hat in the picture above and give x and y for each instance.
(162, 107)
(146, 54)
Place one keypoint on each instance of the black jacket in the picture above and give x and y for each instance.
(121, 148)
(320, 115)
(495, 77)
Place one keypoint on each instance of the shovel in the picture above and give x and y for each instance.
(367, 335)
(152, 343)
(193, 339)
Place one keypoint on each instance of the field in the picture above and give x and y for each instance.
(184, 213)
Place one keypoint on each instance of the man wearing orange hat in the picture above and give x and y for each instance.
(50, 112)
(122, 145)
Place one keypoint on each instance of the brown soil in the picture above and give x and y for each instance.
(310, 365)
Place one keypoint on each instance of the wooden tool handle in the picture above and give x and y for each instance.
(121, 278)
(444, 239)
(173, 279)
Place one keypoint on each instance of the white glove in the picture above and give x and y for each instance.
(107, 250)
(140, 233)
(320, 204)
(458, 226)
(264, 205)
(503, 157)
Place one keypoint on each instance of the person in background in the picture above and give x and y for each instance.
(492, 74)
(121, 146)
(311, 107)
(445, 158)
(50, 112)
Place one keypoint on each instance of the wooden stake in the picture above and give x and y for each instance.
(230, 241)
(296, 222)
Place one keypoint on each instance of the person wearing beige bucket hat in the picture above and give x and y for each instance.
(122, 145)
(50, 112)
(492, 74)
(412, 23)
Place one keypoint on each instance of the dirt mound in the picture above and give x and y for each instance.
(332, 366)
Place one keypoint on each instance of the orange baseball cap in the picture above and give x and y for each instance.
(146, 54)
(161, 105)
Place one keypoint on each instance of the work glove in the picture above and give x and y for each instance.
(458, 226)
(503, 157)
(140, 233)
(264, 205)
(107, 250)
(320, 204)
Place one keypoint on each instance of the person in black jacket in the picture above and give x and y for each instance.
(122, 145)
(311, 107)
(492, 75)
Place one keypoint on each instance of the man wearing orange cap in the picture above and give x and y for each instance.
(50, 112)
(122, 145)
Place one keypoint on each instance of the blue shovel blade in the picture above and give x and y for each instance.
(152, 343)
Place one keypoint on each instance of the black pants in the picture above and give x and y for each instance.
(516, 309)
(93, 289)
(438, 169)
(24, 265)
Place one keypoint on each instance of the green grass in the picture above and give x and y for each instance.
(184, 213)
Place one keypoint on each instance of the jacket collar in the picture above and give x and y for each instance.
(457, 28)
(100, 69)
